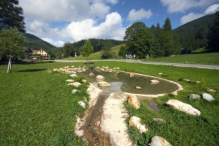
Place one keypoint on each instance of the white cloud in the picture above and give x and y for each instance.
(182, 5)
(138, 15)
(190, 17)
(212, 9)
(111, 28)
(55, 43)
(63, 10)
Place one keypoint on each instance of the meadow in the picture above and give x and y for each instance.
(38, 108)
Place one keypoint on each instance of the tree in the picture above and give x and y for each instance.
(167, 25)
(122, 51)
(138, 39)
(11, 15)
(107, 53)
(58, 55)
(69, 49)
(213, 35)
(11, 43)
(87, 49)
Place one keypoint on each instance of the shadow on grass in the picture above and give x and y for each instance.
(32, 70)
(33, 62)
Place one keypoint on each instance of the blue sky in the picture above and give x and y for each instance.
(60, 21)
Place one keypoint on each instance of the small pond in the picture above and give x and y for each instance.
(121, 82)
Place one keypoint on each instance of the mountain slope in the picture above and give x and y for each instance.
(193, 35)
(37, 43)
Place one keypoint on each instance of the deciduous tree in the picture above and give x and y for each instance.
(87, 49)
(12, 44)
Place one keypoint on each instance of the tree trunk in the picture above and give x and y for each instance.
(9, 65)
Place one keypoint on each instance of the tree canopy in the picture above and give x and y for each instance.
(213, 36)
(87, 49)
(138, 39)
(11, 15)
(69, 49)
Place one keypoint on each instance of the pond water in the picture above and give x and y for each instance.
(121, 82)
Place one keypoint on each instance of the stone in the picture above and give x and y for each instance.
(103, 84)
(75, 84)
(73, 75)
(66, 67)
(133, 100)
(160, 73)
(207, 97)
(187, 80)
(131, 74)
(136, 122)
(79, 70)
(69, 72)
(159, 141)
(110, 70)
(138, 87)
(82, 104)
(160, 120)
(83, 70)
(74, 91)
(194, 96)
(198, 82)
(84, 81)
(69, 80)
(184, 107)
(91, 74)
(211, 90)
(100, 78)
(154, 81)
(55, 69)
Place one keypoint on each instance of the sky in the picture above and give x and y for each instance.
(60, 21)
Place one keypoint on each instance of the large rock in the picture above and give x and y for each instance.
(73, 75)
(133, 100)
(159, 141)
(103, 84)
(69, 80)
(131, 74)
(154, 81)
(82, 104)
(91, 74)
(208, 97)
(184, 107)
(136, 122)
(194, 96)
(75, 84)
(211, 90)
(100, 78)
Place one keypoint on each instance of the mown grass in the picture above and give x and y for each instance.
(38, 108)
(203, 58)
(97, 55)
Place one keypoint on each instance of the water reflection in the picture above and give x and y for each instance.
(122, 82)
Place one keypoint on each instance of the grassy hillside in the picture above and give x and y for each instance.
(203, 58)
(96, 55)
(36, 43)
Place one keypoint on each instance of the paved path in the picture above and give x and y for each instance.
(153, 63)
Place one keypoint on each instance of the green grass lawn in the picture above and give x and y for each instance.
(203, 58)
(38, 108)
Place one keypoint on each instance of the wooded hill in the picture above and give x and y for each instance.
(193, 35)
(36, 43)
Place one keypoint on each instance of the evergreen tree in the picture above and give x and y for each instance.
(213, 36)
(122, 51)
(107, 53)
(167, 26)
(11, 15)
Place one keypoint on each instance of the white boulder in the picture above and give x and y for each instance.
(103, 84)
(194, 96)
(159, 141)
(83, 80)
(133, 100)
(154, 81)
(100, 78)
(69, 80)
(91, 74)
(74, 91)
(136, 122)
(184, 107)
(82, 104)
(138, 87)
(208, 97)
(75, 84)
(73, 75)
